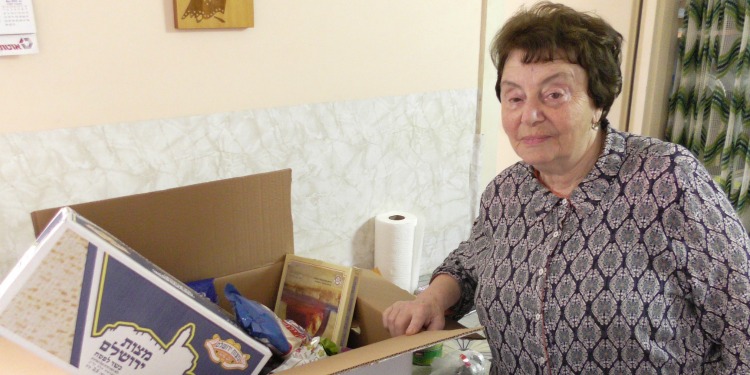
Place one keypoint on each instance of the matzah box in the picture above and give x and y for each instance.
(88, 299)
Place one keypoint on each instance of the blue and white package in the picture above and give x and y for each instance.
(262, 324)
(205, 288)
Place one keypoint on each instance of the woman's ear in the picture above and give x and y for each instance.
(597, 116)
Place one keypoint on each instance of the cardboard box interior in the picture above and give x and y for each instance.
(239, 230)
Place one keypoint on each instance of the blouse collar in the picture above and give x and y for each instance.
(597, 182)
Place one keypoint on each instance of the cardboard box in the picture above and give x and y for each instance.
(239, 230)
(92, 302)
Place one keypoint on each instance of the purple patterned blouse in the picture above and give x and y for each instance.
(644, 269)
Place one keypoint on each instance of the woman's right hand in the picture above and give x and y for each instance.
(427, 311)
(410, 317)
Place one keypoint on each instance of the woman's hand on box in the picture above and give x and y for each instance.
(427, 311)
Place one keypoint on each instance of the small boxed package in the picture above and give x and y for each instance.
(88, 299)
(239, 231)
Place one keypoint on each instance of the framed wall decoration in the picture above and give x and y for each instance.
(213, 14)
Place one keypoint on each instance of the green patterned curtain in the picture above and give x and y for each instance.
(709, 108)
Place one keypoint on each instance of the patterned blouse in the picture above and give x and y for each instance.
(644, 269)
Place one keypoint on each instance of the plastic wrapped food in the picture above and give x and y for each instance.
(465, 362)
(205, 288)
(308, 352)
(262, 324)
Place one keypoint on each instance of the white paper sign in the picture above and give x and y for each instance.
(17, 28)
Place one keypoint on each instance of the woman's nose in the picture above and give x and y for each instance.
(532, 114)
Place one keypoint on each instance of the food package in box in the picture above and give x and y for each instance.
(88, 299)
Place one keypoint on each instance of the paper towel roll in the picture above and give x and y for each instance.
(398, 248)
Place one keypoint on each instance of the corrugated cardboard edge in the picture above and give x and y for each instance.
(379, 351)
(181, 229)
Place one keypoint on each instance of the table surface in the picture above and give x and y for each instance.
(15, 359)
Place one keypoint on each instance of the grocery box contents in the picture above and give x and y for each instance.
(236, 232)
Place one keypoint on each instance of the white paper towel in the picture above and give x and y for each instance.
(398, 248)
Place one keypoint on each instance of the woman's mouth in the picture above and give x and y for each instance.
(533, 140)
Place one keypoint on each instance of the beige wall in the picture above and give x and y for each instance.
(106, 62)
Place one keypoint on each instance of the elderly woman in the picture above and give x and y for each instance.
(601, 251)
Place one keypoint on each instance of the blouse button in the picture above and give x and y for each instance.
(540, 272)
(541, 360)
(564, 202)
(555, 234)
(538, 316)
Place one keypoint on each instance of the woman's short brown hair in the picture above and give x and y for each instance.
(547, 31)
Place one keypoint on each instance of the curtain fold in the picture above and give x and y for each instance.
(709, 106)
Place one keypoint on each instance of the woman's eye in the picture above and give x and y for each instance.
(556, 97)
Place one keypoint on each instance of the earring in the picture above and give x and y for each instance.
(596, 121)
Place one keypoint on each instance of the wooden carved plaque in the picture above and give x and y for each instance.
(213, 14)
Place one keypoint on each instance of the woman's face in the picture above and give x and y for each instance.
(547, 113)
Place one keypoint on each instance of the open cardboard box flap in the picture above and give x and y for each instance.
(238, 230)
(200, 231)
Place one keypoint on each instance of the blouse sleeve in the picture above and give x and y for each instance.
(460, 262)
(706, 231)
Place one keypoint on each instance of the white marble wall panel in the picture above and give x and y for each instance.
(349, 160)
